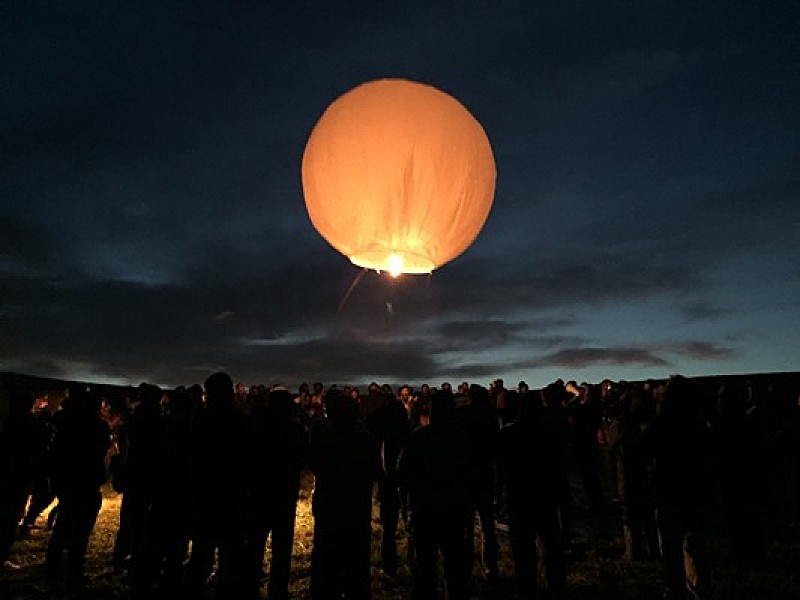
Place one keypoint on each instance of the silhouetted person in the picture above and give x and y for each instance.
(610, 432)
(418, 406)
(42, 494)
(218, 495)
(741, 474)
(497, 394)
(141, 471)
(586, 418)
(372, 401)
(557, 400)
(528, 450)
(80, 445)
(315, 408)
(118, 473)
(168, 524)
(787, 448)
(281, 451)
(638, 508)
(391, 428)
(345, 467)
(437, 469)
(678, 442)
(480, 419)
(22, 445)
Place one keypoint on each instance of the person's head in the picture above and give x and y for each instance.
(219, 390)
(572, 388)
(553, 394)
(196, 392)
(478, 395)
(405, 392)
(443, 408)
(589, 393)
(181, 403)
(676, 400)
(339, 406)
(280, 402)
(150, 400)
(256, 398)
(530, 408)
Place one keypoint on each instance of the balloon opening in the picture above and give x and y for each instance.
(394, 261)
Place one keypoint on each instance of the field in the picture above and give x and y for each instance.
(597, 571)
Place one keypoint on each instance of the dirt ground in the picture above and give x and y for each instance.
(595, 571)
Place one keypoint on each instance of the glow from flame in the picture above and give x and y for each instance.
(395, 265)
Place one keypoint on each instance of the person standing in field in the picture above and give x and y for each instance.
(391, 428)
(437, 468)
(678, 443)
(345, 467)
(22, 446)
(479, 418)
(220, 466)
(281, 452)
(80, 445)
(528, 451)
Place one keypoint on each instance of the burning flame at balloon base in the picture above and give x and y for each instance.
(395, 265)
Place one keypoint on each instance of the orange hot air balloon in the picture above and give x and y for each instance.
(398, 176)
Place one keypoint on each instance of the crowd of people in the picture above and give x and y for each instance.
(210, 477)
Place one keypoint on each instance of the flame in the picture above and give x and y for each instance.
(395, 265)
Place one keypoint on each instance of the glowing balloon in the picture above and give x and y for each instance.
(398, 176)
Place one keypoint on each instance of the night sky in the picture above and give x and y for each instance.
(646, 219)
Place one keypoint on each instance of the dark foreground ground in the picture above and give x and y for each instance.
(597, 570)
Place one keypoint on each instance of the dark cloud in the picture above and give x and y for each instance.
(700, 350)
(580, 358)
(701, 311)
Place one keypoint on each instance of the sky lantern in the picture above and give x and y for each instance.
(398, 176)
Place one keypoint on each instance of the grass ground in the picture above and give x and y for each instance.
(596, 572)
